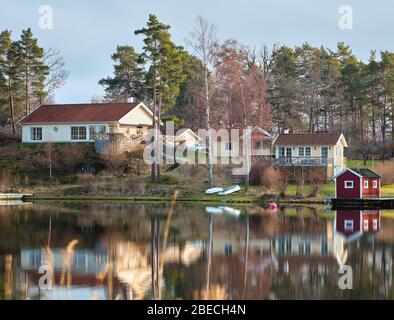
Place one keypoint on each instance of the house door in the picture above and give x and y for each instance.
(289, 154)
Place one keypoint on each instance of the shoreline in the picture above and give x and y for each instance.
(242, 199)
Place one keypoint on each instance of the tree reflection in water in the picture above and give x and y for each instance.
(129, 251)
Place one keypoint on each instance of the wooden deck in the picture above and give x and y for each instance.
(371, 203)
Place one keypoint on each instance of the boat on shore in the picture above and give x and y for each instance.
(214, 190)
(13, 196)
(230, 190)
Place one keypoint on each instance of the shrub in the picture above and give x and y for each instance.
(114, 158)
(386, 170)
(315, 184)
(71, 155)
(264, 175)
(169, 179)
(283, 184)
(8, 138)
(6, 181)
(134, 185)
(87, 180)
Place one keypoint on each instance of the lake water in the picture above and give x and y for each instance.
(140, 251)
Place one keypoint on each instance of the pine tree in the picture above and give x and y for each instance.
(165, 73)
(10, 80)
(31, 62)
(128, 78)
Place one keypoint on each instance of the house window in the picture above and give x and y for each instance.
(375, 184)
(349, 184)
(96, 131)
(282, 152)
(78, 133)
(228, 249)
(366, 225)
(324, 152)
(228, 146)
(307, 151)
(36, 134)
(349, 225)
(366, 184)
(301, 151)
(375, 224)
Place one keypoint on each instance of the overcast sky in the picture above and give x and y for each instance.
(87, 32)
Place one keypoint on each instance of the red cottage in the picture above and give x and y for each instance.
(357, 184)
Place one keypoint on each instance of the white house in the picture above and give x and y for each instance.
(84, 122)
(311, 150)
(227, 145)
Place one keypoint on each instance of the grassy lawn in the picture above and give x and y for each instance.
(360, 163)
(388, 191)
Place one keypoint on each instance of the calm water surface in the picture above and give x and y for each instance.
(128, 251)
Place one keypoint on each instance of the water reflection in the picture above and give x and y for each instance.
(123, 251)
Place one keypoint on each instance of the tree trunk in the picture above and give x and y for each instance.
(153, 165)
(373, 122)
(11, 106)
(210, 160)
(27, 97)
(158, 140)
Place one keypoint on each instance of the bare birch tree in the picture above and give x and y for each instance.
(204, 42)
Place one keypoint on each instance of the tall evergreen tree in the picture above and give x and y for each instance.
(128, 78)
(31, 62)
(10, 79)
(165, 73)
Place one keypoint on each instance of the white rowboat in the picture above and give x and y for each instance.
(231, 211)
(214, 190)
(230, 190)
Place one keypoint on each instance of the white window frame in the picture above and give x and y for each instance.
(348, 186)
(97, 131)
(366, 225)
(308, 151)
(301, 151)
(349, 227)
(36, 134)
(375, 224)
(228, 146)
(375, 184)
(79, 133)
(366, 184)
(321, 152)
(281, 152)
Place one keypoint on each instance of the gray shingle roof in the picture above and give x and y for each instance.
(367, 173)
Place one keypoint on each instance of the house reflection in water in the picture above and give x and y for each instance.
(120, 271)
(352, 224)
(282, 259)
(294, 254)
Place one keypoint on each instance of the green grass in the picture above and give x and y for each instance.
(388, 191)
(360, 163)
(328, 189)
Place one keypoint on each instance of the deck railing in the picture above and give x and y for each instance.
(303, 161)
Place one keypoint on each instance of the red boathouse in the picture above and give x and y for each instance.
(354, 223)
(357, 184)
